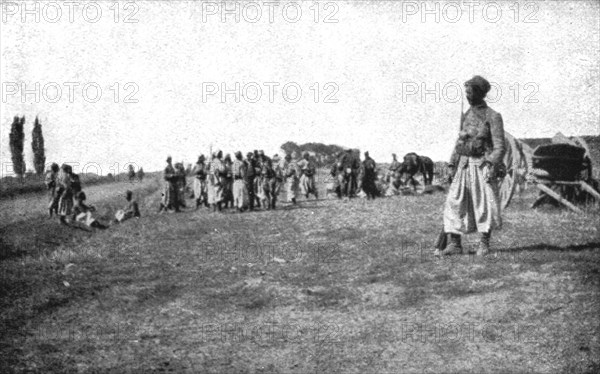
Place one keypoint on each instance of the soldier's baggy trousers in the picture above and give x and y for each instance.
(347, 182)
(251, 188)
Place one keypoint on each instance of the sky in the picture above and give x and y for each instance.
(382, 76)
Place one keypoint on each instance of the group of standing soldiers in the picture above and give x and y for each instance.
(244, 184)
(350, 175)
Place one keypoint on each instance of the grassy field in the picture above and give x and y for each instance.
(325, 287)
(12, 187)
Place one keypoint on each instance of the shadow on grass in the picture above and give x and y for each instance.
(550, 247)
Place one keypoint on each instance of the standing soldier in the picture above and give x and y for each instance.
(394, 172)
(278, 172)
(369, 177)
(53, 196)
(268, 182)
(216, 181)
(290, 173)
(346, 177)
(240, 192)
(199, 173)
(228, 186)
(181, 183)
(169, 196)
(356, 166)
(473, 202)
(65, 193)
(257, 178)
(250, 176)
(334, 173)
(307, 180)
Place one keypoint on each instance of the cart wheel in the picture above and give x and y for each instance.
(507, 189)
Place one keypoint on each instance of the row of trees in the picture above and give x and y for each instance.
(324, 154)
(16, 142)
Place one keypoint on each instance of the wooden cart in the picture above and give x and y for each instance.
(516, 169)
(563, 174)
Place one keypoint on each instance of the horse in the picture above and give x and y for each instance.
(414, 164)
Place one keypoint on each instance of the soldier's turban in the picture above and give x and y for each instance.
(250, 154)
(480, 83)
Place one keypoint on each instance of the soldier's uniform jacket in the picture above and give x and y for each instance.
(369, 166)
(308, 167)
(290, 169)
(481, 136)
(250, 168)
(266, 168)
(200, 171)
(169, 173)
(348, 161)
(239, 169)
(51, 180)
(217, 170)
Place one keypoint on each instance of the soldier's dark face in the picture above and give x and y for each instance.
(474, 96)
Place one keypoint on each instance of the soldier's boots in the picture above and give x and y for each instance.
(454, 246)
(484, 243)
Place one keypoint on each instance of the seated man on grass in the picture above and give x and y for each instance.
(131, 209)
(82, 213)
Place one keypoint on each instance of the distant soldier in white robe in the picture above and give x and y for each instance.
(291, 174)
(308, 171)
(216, 181)
(268, 182)
(240, 192)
